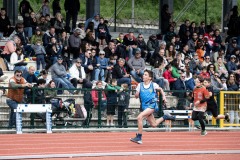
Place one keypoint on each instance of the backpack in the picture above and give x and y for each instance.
(80, 111)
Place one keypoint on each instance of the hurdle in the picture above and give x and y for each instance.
(188, 115)
(33, 108)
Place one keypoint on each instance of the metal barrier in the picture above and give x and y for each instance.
(230, 103)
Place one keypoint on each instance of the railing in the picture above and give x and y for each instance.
(176, 100)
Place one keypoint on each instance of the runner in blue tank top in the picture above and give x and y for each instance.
(146, 91)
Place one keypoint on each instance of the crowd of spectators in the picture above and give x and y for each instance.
(87, 52)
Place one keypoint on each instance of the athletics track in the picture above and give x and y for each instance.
(219, 145)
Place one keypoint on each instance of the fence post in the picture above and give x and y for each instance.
(99, 107)
(160, 112)
(32, 114)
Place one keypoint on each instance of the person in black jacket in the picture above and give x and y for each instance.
(72, 8)
(5, 24)
(88, 102)
(211, 103)
(25, 7)
(120, 73)
(123, 103)
(56, 7)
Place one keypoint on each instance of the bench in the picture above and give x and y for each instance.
(33, 108)
(186, 114)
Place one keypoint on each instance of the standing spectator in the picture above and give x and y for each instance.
(27, 25)
(15, 95)
(165, 18)
(74, 43)
(152, 45)
(137, 66)
(59, 74)
(94, 92)
(56, 7)
(123, 103)
(72, 8)
(112, 94)
(102, 32)
(58, 24)
(5, 24)
(77, 73)
(183, 29)
(40, 54)
(46, 8)
(25, 7)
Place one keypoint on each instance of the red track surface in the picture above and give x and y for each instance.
(107, 142)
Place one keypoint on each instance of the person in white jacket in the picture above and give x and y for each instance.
(77, 73)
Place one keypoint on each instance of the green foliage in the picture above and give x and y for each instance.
(148, 9)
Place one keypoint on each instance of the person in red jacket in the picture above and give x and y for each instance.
(204, 73)
(94, 93)
(168, 75)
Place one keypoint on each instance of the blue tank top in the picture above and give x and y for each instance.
(148, 97)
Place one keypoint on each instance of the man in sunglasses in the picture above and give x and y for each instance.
(15, 94)
(216, 82)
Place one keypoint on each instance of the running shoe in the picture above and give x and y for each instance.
(168, 117)
(227, 118)
(198, 127)
(203, 133)
(137, 139)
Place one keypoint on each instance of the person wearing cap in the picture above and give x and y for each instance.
(77, 73)
(137, 66)
(59, 75)
(232, 66)
(5, 24)
(101, 66)
(231, 46)
(74, 43)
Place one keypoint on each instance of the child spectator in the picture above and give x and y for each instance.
(204, 74)
(168, 75)
(111, 100)
(123, 104)
(40, 54)
(111, 63)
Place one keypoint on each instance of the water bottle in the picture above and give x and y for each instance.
(19, 122)
(48, 122)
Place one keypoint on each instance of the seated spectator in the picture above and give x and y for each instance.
(77, 73)
(216, 82)
(120, 73)
(189, 81)
(137, 66)
(224, 83)
(10, 47)
(64, 44)
(59, 75)
(220, 68)
(232, 66)
(170, 53)
(82, 30)
(204, 74)
(17, 61)
(44, 75)
(168, 75)
(87, 64)
(102, 30)
(211, 69)
(111, 63)
(142, 45)
(232, 83)
(37, 36)
(101, 66)
(48, 35)
(43, 24)
(206, 61)
(195, 65)
(158, 76)
(175, 69)
(58, 24)
(110, 49)
(219, 53)
(200, 51)
(130, 42)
